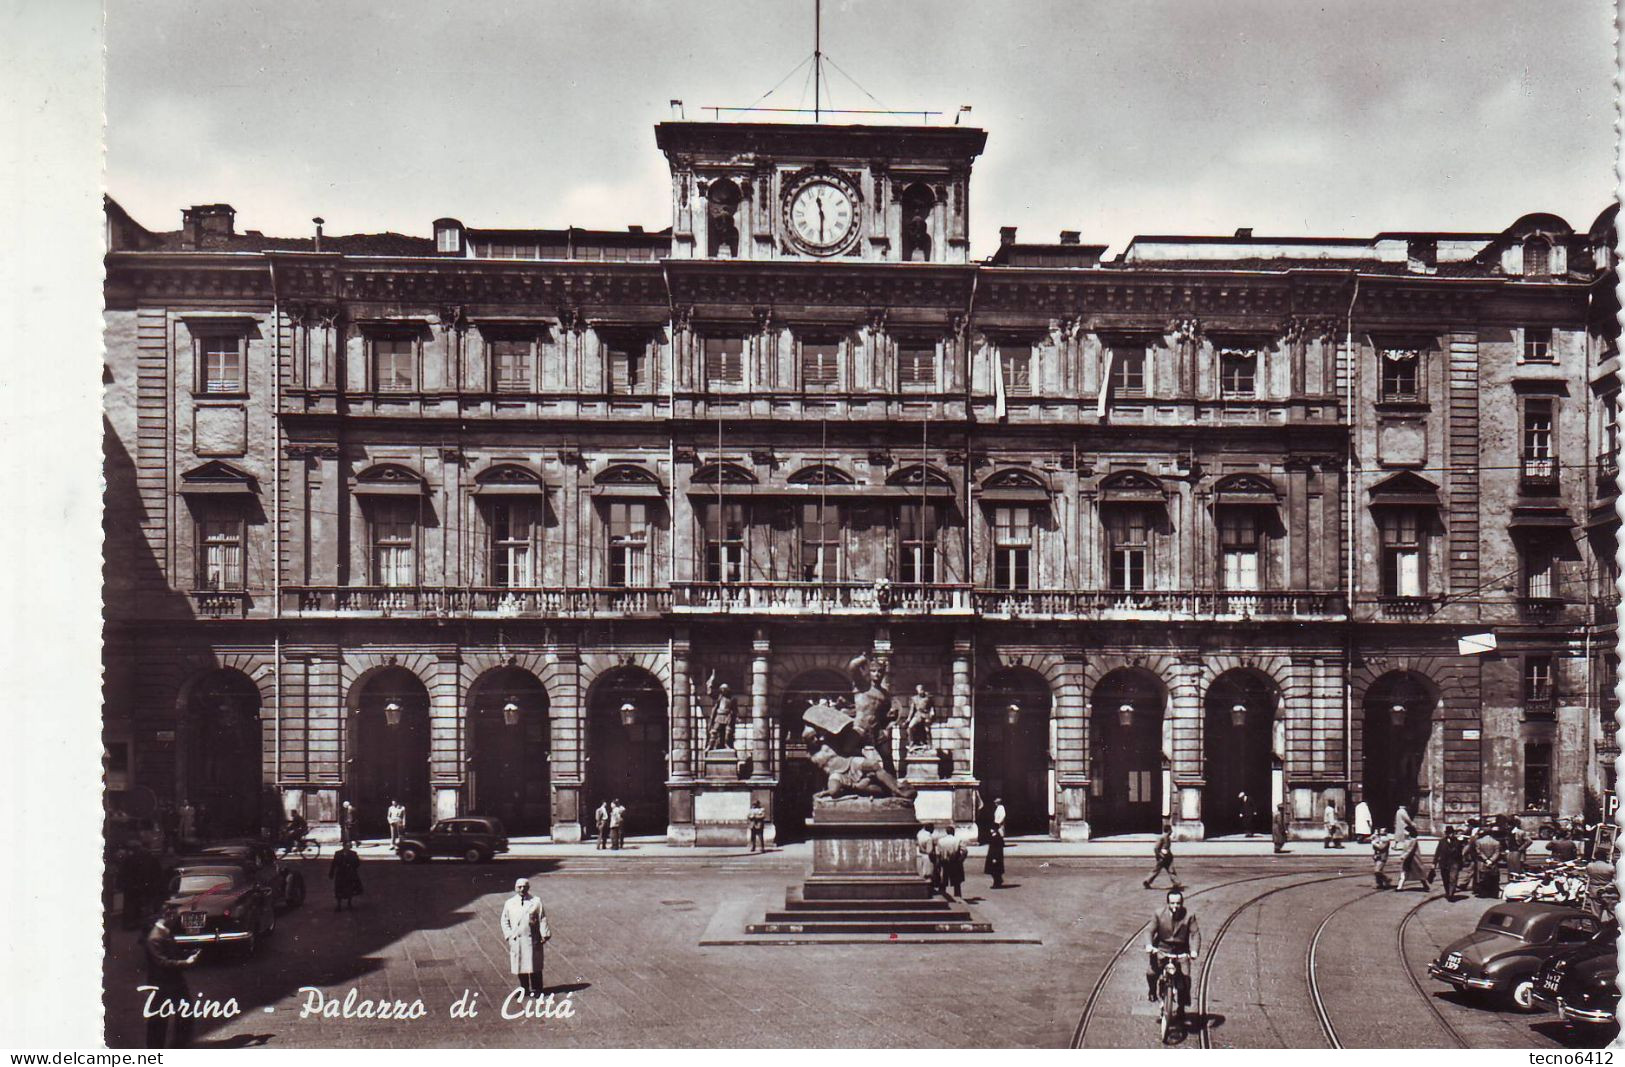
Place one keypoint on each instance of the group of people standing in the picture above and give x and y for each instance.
(610, 822)
(941, 856)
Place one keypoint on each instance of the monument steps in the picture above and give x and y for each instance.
(881, 929)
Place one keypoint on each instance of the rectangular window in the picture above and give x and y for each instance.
(820, 362)
(1401, 374)
(1128, 370)
(724, 361)
(820, 542)
(1537, 345)
(512, 527)
(917, 544)
(394, 524)
(1537, 680)
(1012, 548)
(724, 532)
(394, 364)
(1610, 427)
(1539, 451)
(917, 363)
(1539, 572)
(1403, 552)
(629, 543)
(1537, 776)
(512, 364)
(1128, 547)
(626, 370)
(1017, 367)
(222, 358)
(220, 553)
(1239, 543)
(1238, 372)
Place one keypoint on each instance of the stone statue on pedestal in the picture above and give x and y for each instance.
(724, 712)
(920, 717)
(850, 763)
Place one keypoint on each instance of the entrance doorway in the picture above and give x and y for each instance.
(798, 778)
(1126, 764)
(389, 750)
(1397, 726)
(508, 745)
(627, 746)
(1238, 745)
(1013, 750)
(223, 763)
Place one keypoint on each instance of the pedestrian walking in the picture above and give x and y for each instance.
(1334, 828)
(617, 824)
(939, 881)
(953, 864)
(526, 931)
(600, 820)
(141, 878)
(1410, 861)
(1379, 858)
(396, 817)
(1244, 804)
(994, 863)
(1404, 824)
(345, 873)
(999, 815)
(166, 968)
(1517, 853)
(346, 824)
(1486, 865)
(757, 817)
(1447, 862)
(922, 857)
(1362, 822)
(1279, 826)
(1165, 858)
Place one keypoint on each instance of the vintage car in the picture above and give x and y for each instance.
(1580, 985)
(264, 865)
(476, 838)
(220, 903)
(1511, 941)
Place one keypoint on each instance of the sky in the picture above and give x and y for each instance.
(1113, 118)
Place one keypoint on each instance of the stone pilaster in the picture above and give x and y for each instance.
(446, 742)
(1182, 746)
(567, 716)
(682, 711)
(1071, 749)
(760, 753)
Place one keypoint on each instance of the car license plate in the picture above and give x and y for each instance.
(1452, 962)
(192, 922)
(1552, 981)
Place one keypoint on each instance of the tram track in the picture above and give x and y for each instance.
(1309, 969)
(1087, 1016)
(1416, 983)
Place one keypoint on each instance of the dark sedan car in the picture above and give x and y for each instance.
(1501, 956)
(220, 903)
(1580, 985)
(475, 838)
(264, 866)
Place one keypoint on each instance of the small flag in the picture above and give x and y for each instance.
(999, 409)
(1105, 385)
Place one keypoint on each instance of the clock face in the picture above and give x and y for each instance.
(821, 215)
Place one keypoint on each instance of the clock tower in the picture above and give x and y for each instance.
(775, 191)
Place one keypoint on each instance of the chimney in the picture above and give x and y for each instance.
(1244, 232)
(1069, 237)
(635, 230)
(204, 224)
(318, 220)
(1007, 235)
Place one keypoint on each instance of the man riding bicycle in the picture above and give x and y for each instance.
(294, 832)
(1174, 932)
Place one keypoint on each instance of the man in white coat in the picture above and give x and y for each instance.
(523, 918)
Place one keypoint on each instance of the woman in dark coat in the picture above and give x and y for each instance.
(994, 864)
(345, 871)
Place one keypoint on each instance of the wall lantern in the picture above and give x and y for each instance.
(1012, 714)
(392, 713)
(510, 714)
(629, 714)
(1238, 715)
(1397, 714)
(1125, 715)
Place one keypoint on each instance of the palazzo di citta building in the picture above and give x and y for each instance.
(476, 520)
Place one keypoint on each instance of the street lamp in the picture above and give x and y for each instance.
(1238, 715)
(629, 714)
(1012, 714)
(1397, 714)
(1125, 715)
(392, 713)
(510, 714)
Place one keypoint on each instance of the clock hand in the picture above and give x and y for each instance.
(819, 200)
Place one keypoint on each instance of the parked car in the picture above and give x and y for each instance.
(1502, 954)
(476, 838)
(264, 865)
(220, 903)
(1580, 985)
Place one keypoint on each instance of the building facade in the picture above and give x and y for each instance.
(479, 521)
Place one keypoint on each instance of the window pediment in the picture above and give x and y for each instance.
(1244, 488)
(217, 478)
(1405, 489)
(1133, 486)
(389, 479)
(820, 474)
(723, 474)
(506, 479)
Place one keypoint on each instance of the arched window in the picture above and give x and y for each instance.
(1537, 257)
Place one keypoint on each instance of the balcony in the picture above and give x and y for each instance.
(1407, 608)
(1538, 474)
(474, 602)
(1607, 484)
(1541, 608)
(1159, 604)
(220, 603)
(820, 598)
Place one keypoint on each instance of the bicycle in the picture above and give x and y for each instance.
(304, 848)
(1168, 985)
